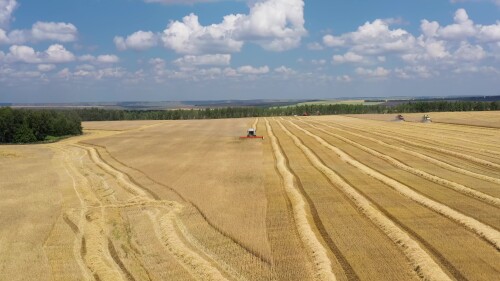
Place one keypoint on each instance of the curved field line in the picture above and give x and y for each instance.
(181, 251)
(432, 160)
(184, 200)
(167, 232)
(121, 177)
(422, 263)
(442, 150)
(488, 233)
(200, 247)
(322, 264)
(396, 163)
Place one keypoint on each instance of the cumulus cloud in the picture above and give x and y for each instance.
(348, 57)
(248, 69)
(217, 59)
(140, 40)
(41, 31)
(55, 31)
(275, 25)
(7, 7)
(54, 54)
(373, 38)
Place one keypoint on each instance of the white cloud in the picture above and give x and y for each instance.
(41, 31)
(461, 29)
(247, 69)
(54, 54)
(46, 67)
(378, 72)
(275, 25)
(348, 57)
(373, 38)
(469, 52)
(217, 59)
(54, 31)
(190, 37)
(107, 59)
(104, 59)
(7, 7)
(489, 33)
(332, 41)
(140, 40)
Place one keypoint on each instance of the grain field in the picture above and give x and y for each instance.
(319, 198)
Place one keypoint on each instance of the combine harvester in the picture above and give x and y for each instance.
(252, 134)
(426, 119)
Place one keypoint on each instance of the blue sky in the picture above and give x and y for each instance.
(131, 50)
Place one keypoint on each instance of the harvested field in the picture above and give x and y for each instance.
(480, 119)
(320, 198)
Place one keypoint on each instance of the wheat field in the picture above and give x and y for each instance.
(319, 198)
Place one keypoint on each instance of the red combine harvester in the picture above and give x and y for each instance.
(251, 134)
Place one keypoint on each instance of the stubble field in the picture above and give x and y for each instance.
(320, 198)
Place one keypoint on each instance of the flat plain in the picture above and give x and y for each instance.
(319, 198)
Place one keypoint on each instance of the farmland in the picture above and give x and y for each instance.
(320, 198)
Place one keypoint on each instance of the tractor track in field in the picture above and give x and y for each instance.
(481, 151)
(448, 265)
(488, 233)
(346, 266)
(183, 200)
(321, 262)
(493, 201)
(470, 158)
(463, 140)
(424, 266)
(422, 156)
(95, 247)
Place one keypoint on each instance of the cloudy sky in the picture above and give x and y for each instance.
(131, 50)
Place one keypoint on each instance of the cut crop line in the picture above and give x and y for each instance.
(421, 156)
(442, 150)
(121, 177)
(167, 231)
(346, 266)
(254, 125)
(322, 264)
(396, 163)
(200, 247)
(422, 263)
(480, 151)
(184, 200)
(488, 233)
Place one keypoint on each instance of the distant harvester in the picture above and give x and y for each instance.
(252, 134)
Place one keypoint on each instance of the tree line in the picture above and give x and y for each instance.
(29, 126)
(98, 114)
